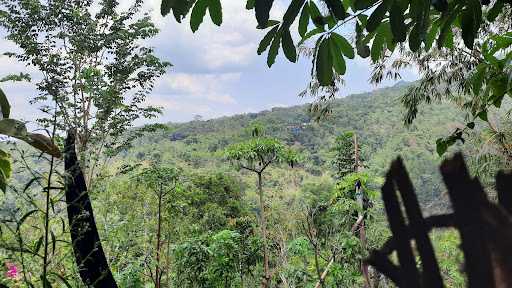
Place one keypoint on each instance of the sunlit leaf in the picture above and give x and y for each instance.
(343, 44)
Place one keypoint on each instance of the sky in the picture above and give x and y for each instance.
(216, 71)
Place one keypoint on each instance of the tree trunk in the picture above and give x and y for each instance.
(158, 236)
(321, 280)
(360, 200)
(317, 267)
(265, 283)
(89, 256)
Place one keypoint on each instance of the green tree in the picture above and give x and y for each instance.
(165, 183)
(344, 160)
(97, 74)
(256, 155)
(225, 259)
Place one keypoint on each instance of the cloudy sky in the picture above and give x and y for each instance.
(216, 70)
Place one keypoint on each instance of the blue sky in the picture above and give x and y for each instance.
(216, 70)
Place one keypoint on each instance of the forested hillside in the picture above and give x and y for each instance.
(215, 206)
(177, 187)
(377, 117)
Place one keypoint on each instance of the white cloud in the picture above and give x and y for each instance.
(18, 93)
(178, 106)
(210, 86)
(234, 44)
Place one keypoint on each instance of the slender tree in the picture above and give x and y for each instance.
(94, 68)
(347, 160)
(256, 155)
(164, 182)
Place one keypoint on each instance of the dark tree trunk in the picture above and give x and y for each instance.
(89, 256)
(266, 278)
(158, 273)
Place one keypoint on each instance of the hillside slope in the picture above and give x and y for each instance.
(375, 116)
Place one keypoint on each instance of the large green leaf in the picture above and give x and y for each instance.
(336, 8)
(378, 45)
(324, 72)
(274, 49)
(5, 107)
(363, 4)
(262, 10)
(343, 44)
(446, 25)
(415, 38)
(362, 48)
(265, 42)
(250, 4)
(471, 18)
(288, 47)
(440, 5)
(337, 59)
(304, 20)
(378, 14)
(420, 14)
(215, 10)
(397, 21)
(43, 143)
(291, 13)
(310, 34)
(166, 6)
(431, 35)
(198, 12)
(180, 8)
(13, 128)
(316, 15)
